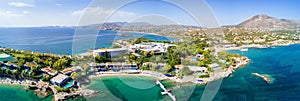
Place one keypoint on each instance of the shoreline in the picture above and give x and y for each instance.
(9, 81)
(258, 46)
(141, 73)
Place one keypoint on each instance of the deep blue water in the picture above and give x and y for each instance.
(61, 40)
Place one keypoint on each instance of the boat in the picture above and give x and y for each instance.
(244, 50)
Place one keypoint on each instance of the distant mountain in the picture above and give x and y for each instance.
(266, 23)
(140, 27)
(295, 23)
(259, 22)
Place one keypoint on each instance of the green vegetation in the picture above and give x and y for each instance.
(36, 61)
(204, 76)
(140, 40)
(59, 89)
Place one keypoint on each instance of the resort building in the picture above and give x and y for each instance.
(49, 71)
(63, 81)
(13, 66)
(196, 69)
(152, 47)
(110, 52)
(114, 66)
(215, 66)
(69, 71)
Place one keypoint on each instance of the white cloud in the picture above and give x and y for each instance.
(9, 14)
(26, 12)
(93, 15)
(58, 4)
(20, 4)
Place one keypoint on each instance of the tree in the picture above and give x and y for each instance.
(144, 68)
(167, 68)
(180, 75)
(75, 75)
(7, 71)
(173, 57)
(186, 71)
(141, 60)
(154, 67)
(23, 73)
(102, 59)
(201, 63)
(46, 77)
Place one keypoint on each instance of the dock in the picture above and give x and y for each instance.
(165, 90)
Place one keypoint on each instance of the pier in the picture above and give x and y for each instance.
(165, 90)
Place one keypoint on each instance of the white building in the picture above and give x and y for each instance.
(110, 52)
(198, 69)
(152, 46)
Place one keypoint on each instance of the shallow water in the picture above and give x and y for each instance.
(17, 93)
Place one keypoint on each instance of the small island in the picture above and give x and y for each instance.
(263, 76)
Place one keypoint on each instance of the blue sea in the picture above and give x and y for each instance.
(62, 40)
(282, 64)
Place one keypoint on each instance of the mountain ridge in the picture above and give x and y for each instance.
(267, 23)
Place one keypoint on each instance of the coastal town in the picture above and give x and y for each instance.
(195, 58)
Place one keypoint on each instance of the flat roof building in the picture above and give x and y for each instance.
(60, 80)
(110, 52)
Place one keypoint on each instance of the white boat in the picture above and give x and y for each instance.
(244, 50)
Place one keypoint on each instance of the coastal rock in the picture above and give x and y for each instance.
(266, 78)
(88, 92)
(41, 93)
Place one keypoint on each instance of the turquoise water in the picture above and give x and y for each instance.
(7, 59)
(281, 63)
(126, 88)
(17, 93)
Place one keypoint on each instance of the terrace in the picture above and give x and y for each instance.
(49, 71)
(69, 71)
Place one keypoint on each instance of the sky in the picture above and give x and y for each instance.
(29, 13)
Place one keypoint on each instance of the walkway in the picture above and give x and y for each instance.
(165, 90)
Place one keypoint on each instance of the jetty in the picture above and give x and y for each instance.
(165, 90)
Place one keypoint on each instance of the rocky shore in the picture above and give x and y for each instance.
(242, 61)
(266, 78)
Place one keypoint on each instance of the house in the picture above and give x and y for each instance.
(196, 69)
(69, 71)
(61, 80)
(13, 66)
(215, 66)
(152, 47)
(49, 71)
(200, 56)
